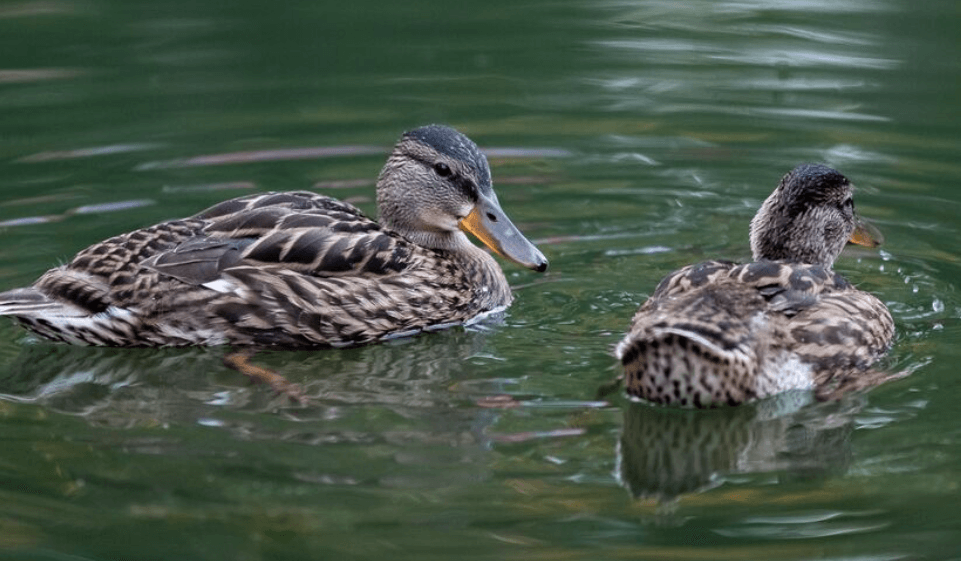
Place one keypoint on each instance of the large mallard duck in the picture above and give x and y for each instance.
(297, 269)
(719, 333)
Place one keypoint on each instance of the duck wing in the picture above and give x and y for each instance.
(303, 232)
(300, 232)
(809, 308)
(702, 303)
(297, 270)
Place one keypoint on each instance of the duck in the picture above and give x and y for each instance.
(719, 333)
(297, 269)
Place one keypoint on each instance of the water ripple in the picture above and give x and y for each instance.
(803, 526)
(85, 209)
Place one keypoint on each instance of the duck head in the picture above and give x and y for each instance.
(808, 218)
(436, 185)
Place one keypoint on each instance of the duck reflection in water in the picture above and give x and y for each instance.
(397, 414)
(664, 453)
(131, 387)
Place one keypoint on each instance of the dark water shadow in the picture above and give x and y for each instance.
(664, 453)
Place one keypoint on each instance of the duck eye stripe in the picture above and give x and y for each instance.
(463, 183)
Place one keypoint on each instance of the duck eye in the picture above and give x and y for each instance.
(442, 169)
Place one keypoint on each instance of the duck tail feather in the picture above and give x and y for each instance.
(30, 302)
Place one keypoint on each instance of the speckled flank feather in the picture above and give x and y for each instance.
(292, 269)
(719, 333)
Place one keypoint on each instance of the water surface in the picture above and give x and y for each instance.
(627, 138)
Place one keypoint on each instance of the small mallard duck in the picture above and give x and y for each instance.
(719, 333)
(297, 269)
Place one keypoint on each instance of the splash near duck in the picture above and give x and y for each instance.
(719, 333)
(297, 269)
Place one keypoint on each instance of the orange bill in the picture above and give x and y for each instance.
(494, 229)
(865, 234)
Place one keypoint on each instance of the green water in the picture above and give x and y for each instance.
(627, 138)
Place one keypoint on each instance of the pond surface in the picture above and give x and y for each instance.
(626, 138)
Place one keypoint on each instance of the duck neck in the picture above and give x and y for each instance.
(792, 241)
(486, 280)
(791, 251)
(454, 242)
